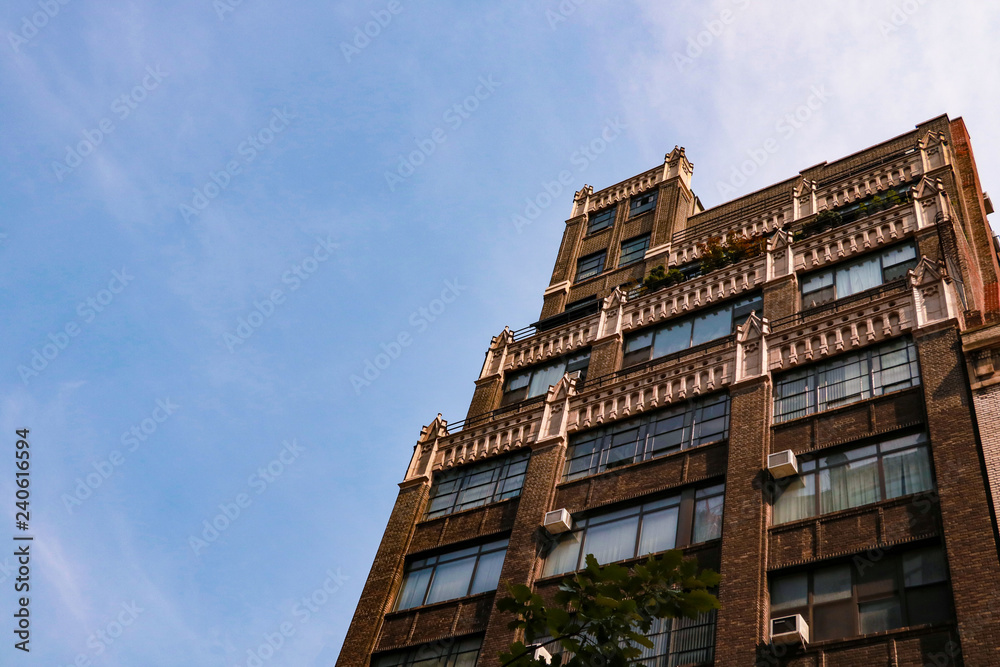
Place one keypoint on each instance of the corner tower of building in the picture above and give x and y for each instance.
(800, 388)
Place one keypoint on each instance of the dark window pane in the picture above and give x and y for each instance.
(880, 615)
(601, 220)
(590, 266)
(928, 604)
(834, 621)
(642, 203)
(634, 250)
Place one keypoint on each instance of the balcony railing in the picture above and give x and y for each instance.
(846, 303)
(486, 417)
(570, 315)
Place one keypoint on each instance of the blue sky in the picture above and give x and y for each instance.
(214, 215)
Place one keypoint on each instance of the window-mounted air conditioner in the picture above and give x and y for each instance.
(789, 630)
(542, 653)
(558, 521)
(782, 464)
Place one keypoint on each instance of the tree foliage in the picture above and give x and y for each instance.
(602, 614)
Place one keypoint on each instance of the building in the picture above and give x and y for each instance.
(795, 402)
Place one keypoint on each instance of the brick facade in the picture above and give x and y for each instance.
(946, 305)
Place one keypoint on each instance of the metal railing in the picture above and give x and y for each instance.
(897, 285)
(487, 417)
(704, 348)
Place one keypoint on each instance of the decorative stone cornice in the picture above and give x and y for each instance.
(581, 199)
(930, 202)
(611, 314)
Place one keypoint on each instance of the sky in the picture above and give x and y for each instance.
(218, 214)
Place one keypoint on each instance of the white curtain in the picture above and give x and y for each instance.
(859, 277)
(546, 376)
(797, 501)
(849, 485)
(659, 531)
(908, 471)
(612, 541)
(564, 557)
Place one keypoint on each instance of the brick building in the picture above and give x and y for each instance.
(806, 399)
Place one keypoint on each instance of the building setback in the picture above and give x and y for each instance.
(841, 326)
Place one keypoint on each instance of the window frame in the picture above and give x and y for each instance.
(450, 653)
(434, 562)
(573, 362)
(648, 429)
(834, 270)
(643, 243)
(636, 209)
(500, 468)
(857, 598)
(812, 465)
(674, 652)
(604, 217)
(685, 524)
(585, 274)
(637, 355)
(875, 386)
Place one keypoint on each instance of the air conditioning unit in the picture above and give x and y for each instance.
(542, 653)
(789, 630)
(558, 521)
(782, 464)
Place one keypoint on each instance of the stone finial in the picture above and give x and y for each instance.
(751, 347)
(930, 201)
(676, 165)
(934, 296)
(425, 450)
(780, 257)
(497, 354)
(934, 151)
(804, 198)
(554, 418)
(581, 200)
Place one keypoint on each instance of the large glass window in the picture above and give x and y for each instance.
(639, 530)
(452, 575)
(846, 379)
(855, 476)
(642, 203)
(601, 219)
(633, 250)
(684, 332)
(477, 484)
(444, 653)
(867, 595)
(590, 266)
(858, 275)
(676, 642)
(654, 434)
(536, 380)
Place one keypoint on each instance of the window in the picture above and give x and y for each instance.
(634, 250)
(601, 220)
(857, 276)
(654, 434)
(590, 266)
(642, 203)
(443, 653)
(866, 596)
(477, 484)
(452, 575)
(537, 380)
(639, 530)
(676, 642)
(856, 476)
(684, 332)
(846, 379)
